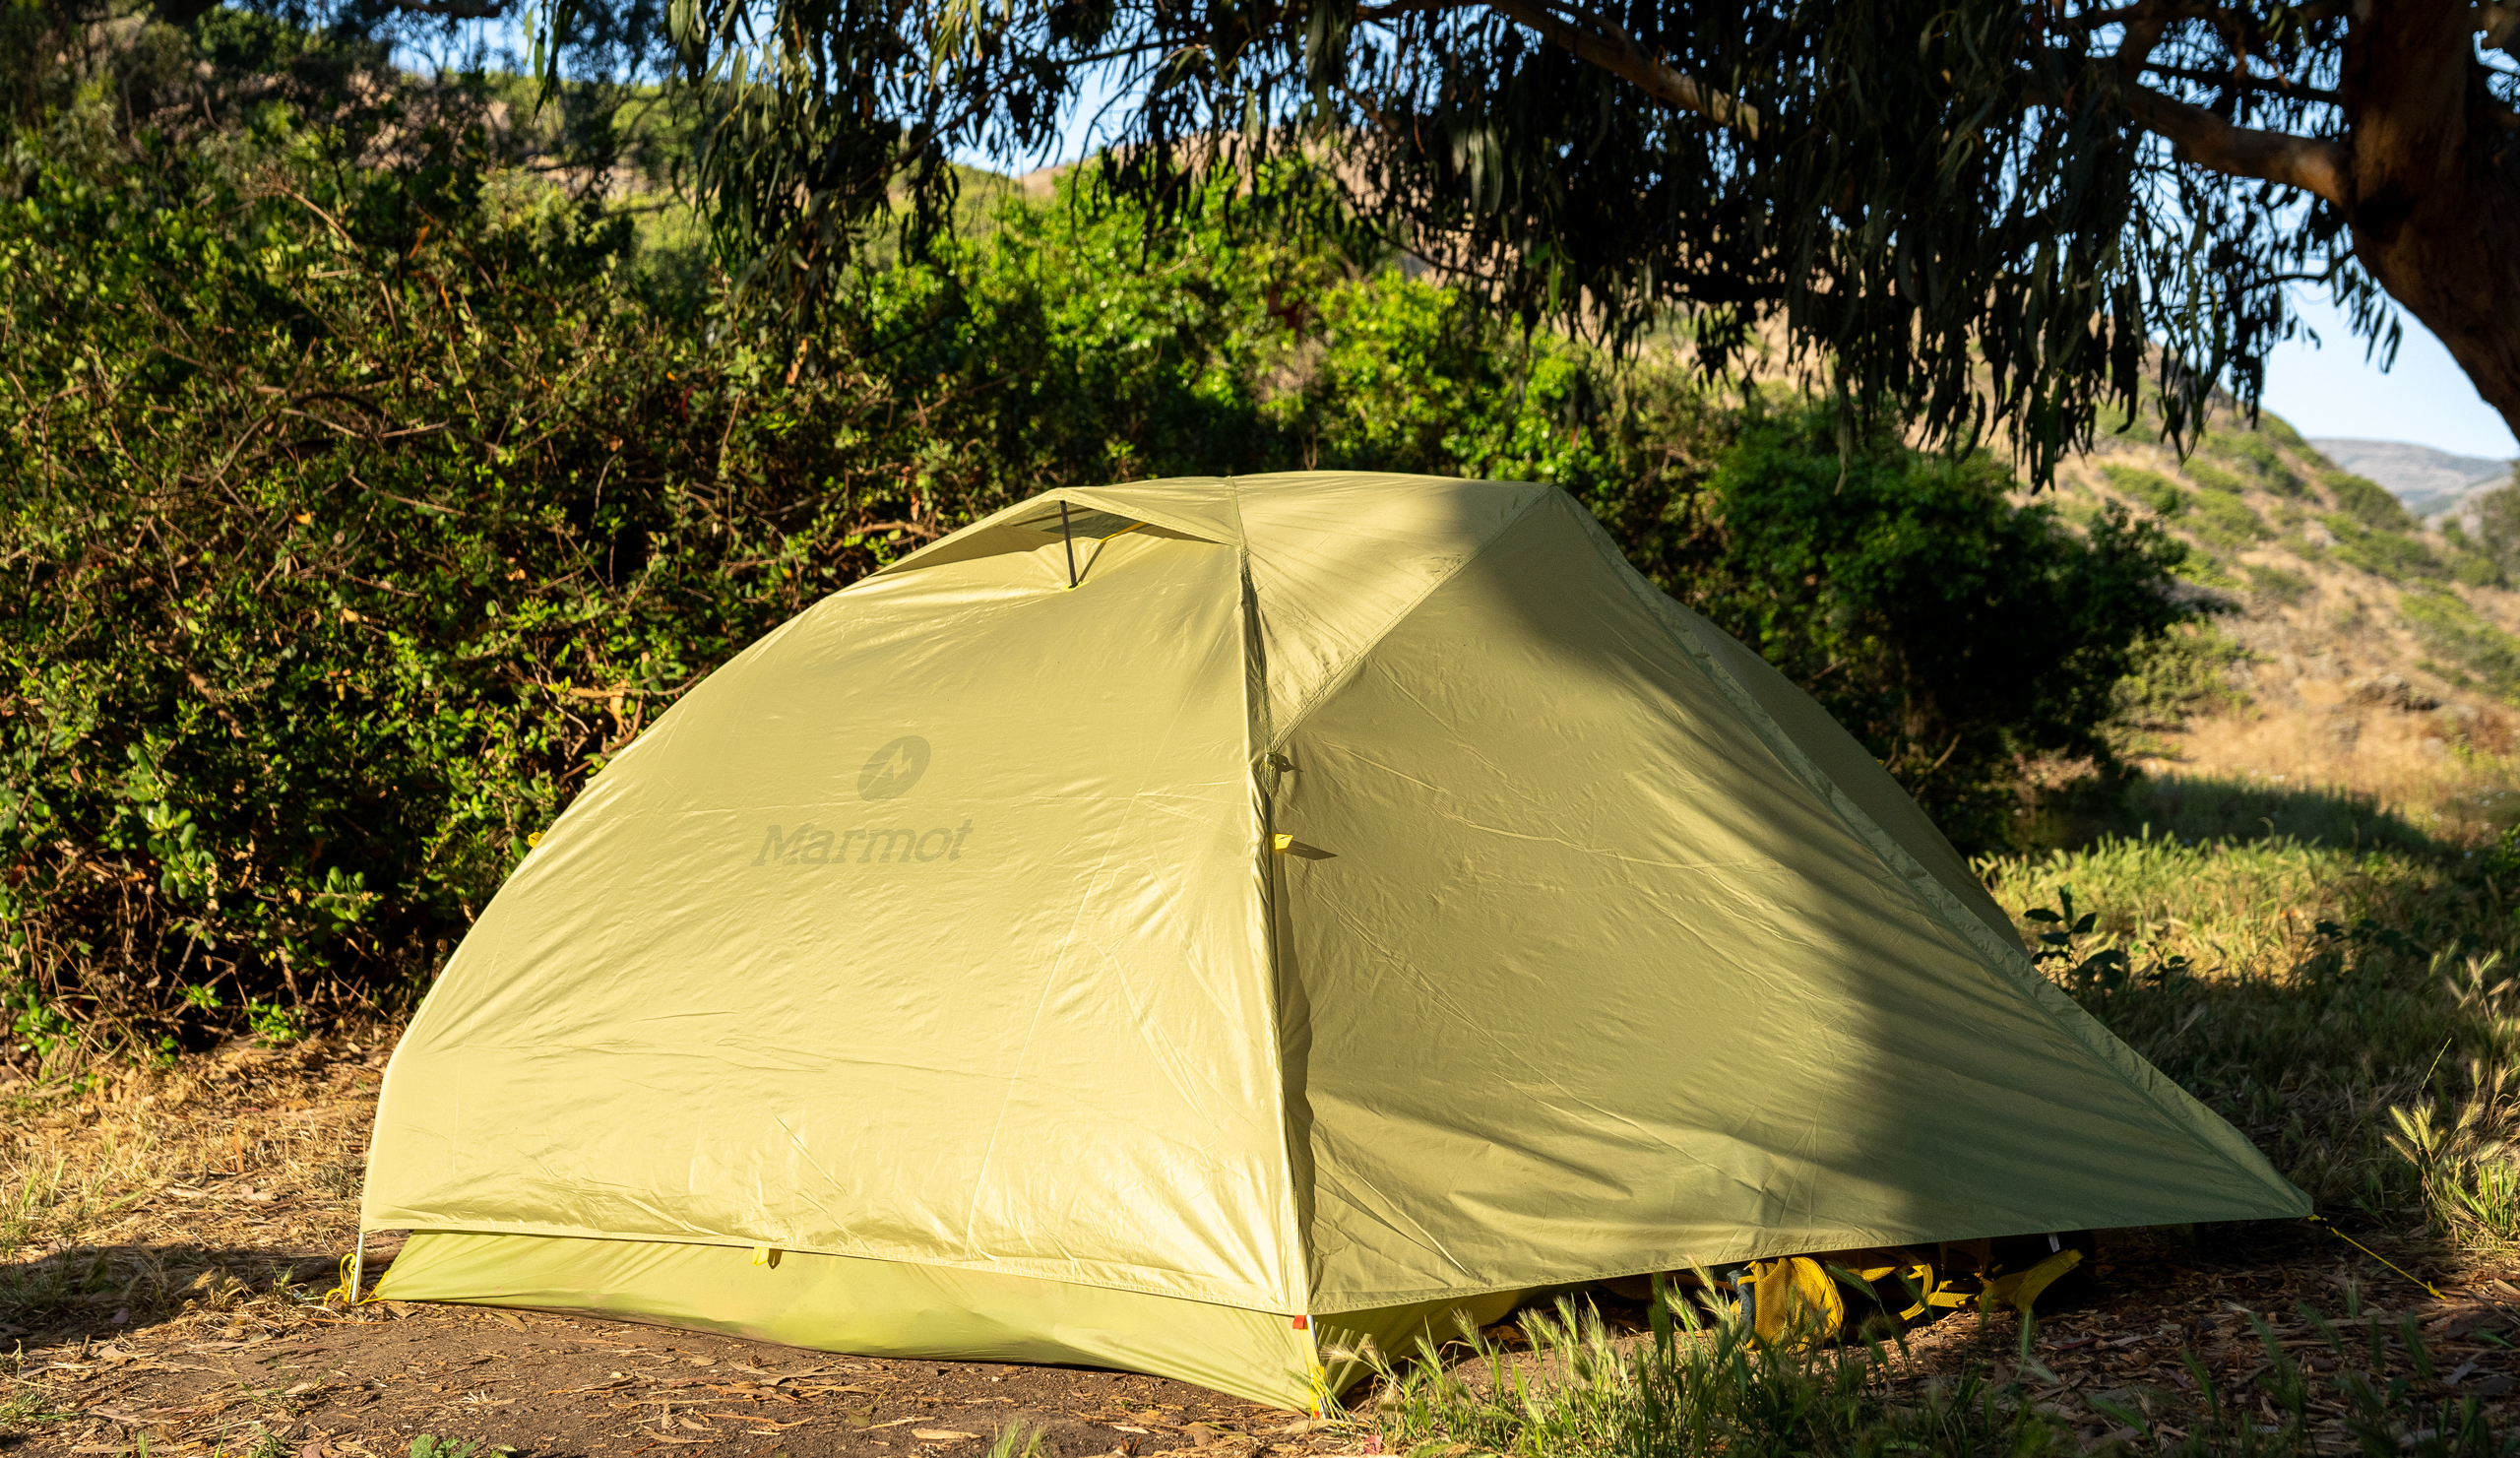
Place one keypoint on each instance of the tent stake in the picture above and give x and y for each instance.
(1065, 537)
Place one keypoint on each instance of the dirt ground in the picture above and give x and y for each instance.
(369, 1385)
(169, 1236)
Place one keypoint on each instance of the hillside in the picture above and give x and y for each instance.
(2428, 481)
(2352, 647)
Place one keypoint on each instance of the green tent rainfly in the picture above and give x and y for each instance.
(1356, 899)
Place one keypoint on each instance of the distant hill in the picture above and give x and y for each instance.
(2428, 481)
(2359, 635)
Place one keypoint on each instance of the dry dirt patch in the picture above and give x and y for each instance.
(367, 1383)
(168, 1236)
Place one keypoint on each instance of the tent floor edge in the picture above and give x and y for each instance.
(866, 1308)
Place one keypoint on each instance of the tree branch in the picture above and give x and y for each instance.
(2243, 81)
(2313, 164)
(2101, 19)
(459, 10)
(1399, 8)
(2500, 25)
(1608, 46)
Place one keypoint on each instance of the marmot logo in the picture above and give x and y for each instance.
(892, 769)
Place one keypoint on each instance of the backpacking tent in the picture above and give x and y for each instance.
(1354, 899)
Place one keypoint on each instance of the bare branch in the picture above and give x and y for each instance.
(1398, 8)
(2143, 32)
(2101, 19)
(2283, 85)
(1609, 47)
(2313, 164)
(459, 10)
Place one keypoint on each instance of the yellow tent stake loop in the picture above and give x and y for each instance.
(352, 1271)
(2320, 1220)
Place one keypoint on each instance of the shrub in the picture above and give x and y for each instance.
(1949, 629)
(2257, 458)
(2498, 525)
(2366, 501)
(2149, 488)
(2224, 520)
(352, 532)
(2181, 674)
(2449, 628)
(2390, 554)
(2276, 583)
(356, 517)
(2212, 477)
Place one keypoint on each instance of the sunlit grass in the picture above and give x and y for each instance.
(2304, 992)
(1702, 1384)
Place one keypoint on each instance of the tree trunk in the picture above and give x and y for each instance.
(2435, 185)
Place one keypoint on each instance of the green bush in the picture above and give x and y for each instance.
(2149, 488)
(2390, 554)
(2454, 631)
(2222, 520)
(1949, 629)
(2276, 583)
(352, 534)
(2498, 525)
(2182, 674)
(2472, 563)
(2212, 477)
(2257, 459)
(356, 517)
(2366, 501)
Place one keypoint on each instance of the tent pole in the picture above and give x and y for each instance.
(1066, 536)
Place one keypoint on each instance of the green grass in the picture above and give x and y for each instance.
(2383, 553)
(1701, 1385)
(2299, 988)
(2277, 583)
(2454, 631)
(2366, 501)
(2182, 674)
(2221, 520)
(29, 1407)
(2256, 457)
(2150, 487)
(2212, 477)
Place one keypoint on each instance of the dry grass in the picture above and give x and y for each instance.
(220, 1191)
(2448, 776)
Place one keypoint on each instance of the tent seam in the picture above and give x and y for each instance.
(1057, 494)
(1332, 683)
(2181, 1107)
(1295, 1247)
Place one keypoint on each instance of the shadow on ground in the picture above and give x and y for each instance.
(101, 1292)
(2218, 807)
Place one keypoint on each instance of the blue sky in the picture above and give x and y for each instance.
(2425, 398)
